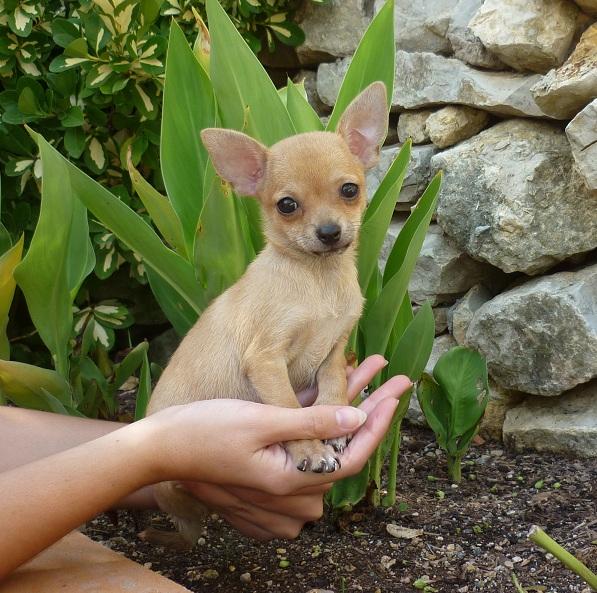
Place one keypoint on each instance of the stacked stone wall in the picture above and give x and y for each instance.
(502, 96)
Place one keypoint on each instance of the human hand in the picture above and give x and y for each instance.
(264, 515)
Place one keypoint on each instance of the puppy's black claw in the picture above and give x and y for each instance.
(302, 466)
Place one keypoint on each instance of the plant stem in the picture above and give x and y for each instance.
(517, 585)
(539, 537)
(454, 468)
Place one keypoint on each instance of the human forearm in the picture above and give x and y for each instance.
(45, 499)
(29, 435)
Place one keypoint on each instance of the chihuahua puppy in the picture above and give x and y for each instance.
(283, 327)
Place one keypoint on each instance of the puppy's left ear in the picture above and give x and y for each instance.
(364, 124)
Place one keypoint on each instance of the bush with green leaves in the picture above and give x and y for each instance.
(88, 75)
(454, 401)
(197, 240)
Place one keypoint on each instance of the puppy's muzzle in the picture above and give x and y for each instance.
(329, 234)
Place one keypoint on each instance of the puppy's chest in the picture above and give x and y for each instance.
(321, 328)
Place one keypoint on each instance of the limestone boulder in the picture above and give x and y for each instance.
(462, 313)
(332, 29)
(411, 124)
(512, 197)
(417, 176)
(541, 337)
(530, 35)
(442, 272)
(563, 92)
(500, 401)
(466, 46)
(582, 134)
(421, 25)
(565, 425)
(425, 79)
(453, 123)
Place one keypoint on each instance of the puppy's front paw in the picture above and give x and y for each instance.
(313, 455)
(339, 443)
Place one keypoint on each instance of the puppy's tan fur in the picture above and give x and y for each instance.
(284, 325)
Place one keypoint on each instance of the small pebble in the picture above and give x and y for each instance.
(211, 574)
(245, 577)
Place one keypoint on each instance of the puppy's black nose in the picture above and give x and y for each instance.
(329, 234)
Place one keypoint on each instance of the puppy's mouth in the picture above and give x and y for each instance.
(332, 250)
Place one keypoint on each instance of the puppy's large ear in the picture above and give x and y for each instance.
(364, 123)
(237, 158)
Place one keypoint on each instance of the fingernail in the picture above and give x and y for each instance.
(350, 418)
(385, 363)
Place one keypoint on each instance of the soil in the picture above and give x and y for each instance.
(474, 535)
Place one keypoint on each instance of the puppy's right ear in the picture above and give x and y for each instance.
(237, 158)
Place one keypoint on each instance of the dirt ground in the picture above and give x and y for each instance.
(473, 537)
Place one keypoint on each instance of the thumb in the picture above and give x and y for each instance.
(315, 422)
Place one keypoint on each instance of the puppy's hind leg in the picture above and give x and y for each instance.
(186, 512)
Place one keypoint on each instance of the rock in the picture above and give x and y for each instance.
(421, 25)
(563, 425)
(512, 197)
(451, 124)
(465, 44)
(332, 29)
(440, 316)
(425, 79)
(309, 80)
(588, 6)
(526, 34)
(461, 314)
(582, 134)
(562, 93)
(440, 345)
(411, 124)
(442, 271)
(417, 175)
(541, 337)
(500, 401)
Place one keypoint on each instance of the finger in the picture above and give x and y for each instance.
(394, 388)
(354, 457)
(315, 422)
(360, 377)
(249, 529)
(368, 437)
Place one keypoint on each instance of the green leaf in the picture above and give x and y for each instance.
(64, 32)
(189, 106)
(24, 384)
(435, 406)
(8, 261)
(462, 374)
(286, 31)
(242, 85)
(73, 117)
(180, 314)
(74, 142)
(414, 347)
(349, 491)
(130, 364)
(379, 318)
(29, 103)
(160, 209)
(144, 391)
(59, 258)
(373, 60)
(379, 213)
(302, 114)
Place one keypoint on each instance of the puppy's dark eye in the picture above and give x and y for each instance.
(349, 191)
(287, 205)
